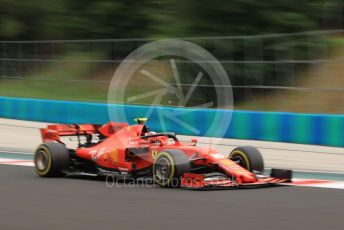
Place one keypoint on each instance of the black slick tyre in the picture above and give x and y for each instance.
(169, 167)
(51, 159)
(248, 157)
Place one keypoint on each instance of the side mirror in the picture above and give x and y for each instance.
(194, 141)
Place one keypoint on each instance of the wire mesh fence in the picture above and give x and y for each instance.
(265, 70)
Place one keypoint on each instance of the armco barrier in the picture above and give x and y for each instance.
(268, 126)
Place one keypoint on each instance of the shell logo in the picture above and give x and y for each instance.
(114, 156)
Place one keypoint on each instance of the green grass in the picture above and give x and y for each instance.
(72, 80)
(53, 90)
(64, 69)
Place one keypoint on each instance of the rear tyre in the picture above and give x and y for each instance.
(248, 157)
(51, 159)
(169, 167)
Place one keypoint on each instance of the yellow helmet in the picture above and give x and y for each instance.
(141, 120)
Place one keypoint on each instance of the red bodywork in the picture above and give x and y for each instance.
(114, 152)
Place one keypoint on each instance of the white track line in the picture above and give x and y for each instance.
(19, 162)
(317, 183)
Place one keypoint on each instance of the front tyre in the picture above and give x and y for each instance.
(51, 159)
(248, 157)
(169, 167)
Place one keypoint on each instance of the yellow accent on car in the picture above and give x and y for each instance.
(154, 153)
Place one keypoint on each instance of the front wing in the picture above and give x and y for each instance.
(199, 181)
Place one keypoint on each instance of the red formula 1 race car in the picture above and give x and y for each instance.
(123, 151)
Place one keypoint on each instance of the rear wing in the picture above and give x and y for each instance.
(54, 132)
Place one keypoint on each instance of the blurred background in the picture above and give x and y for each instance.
(279, 55)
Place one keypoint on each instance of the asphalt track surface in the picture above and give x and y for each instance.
(30, 202)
